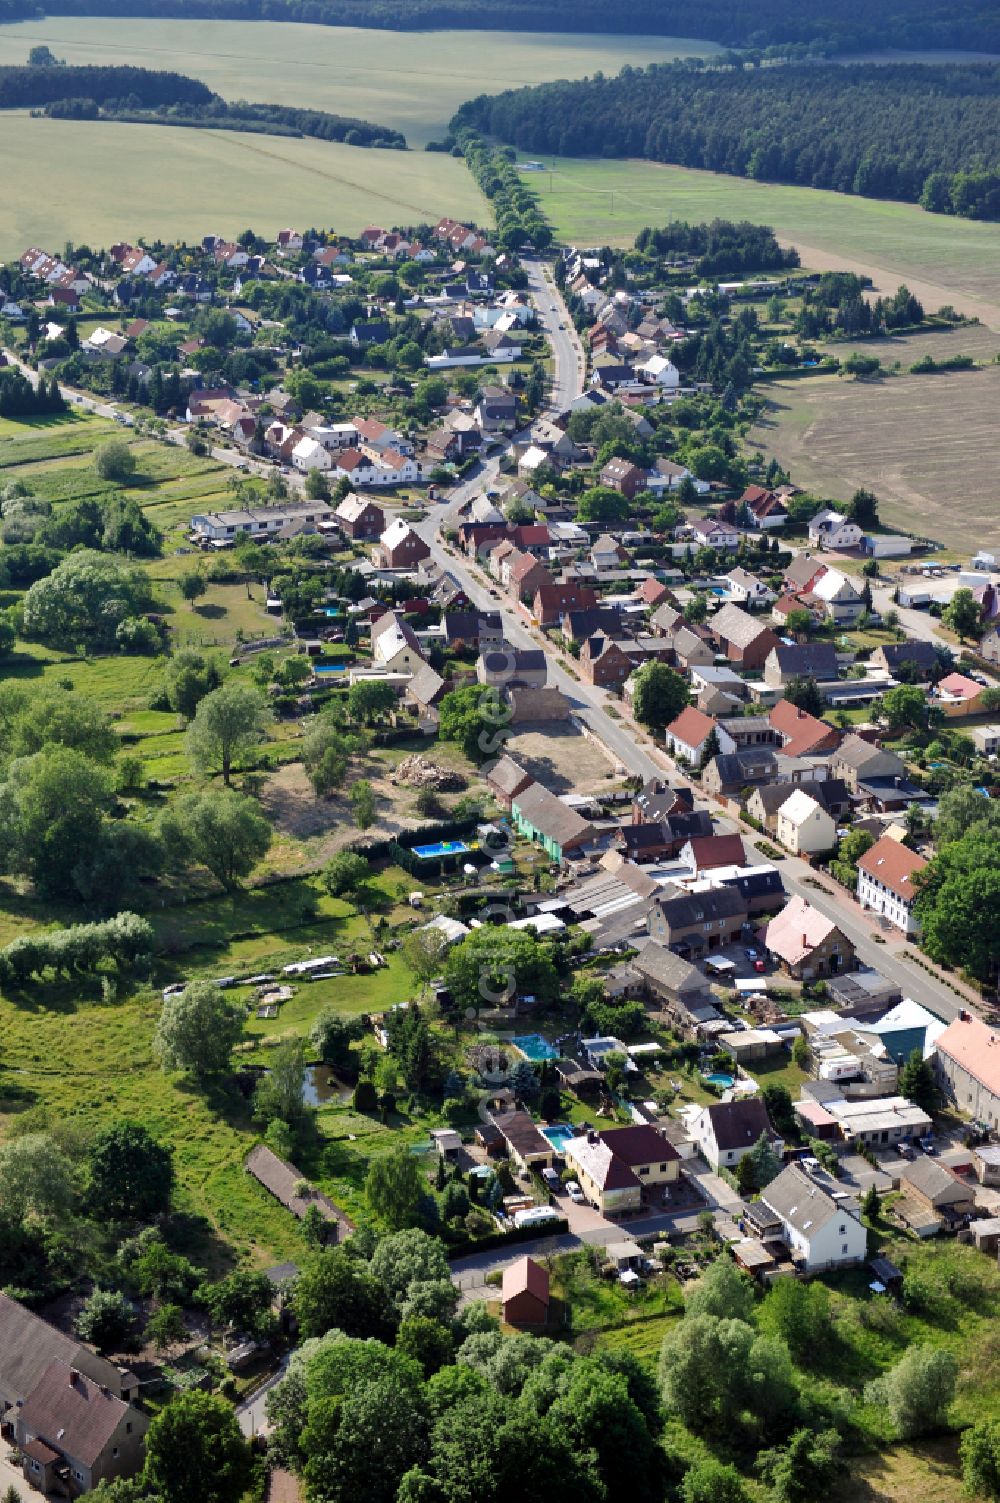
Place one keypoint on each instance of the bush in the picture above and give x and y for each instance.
(105, 1320)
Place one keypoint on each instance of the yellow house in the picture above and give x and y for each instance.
(621, 1168)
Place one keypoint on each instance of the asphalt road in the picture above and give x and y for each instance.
(567, 351)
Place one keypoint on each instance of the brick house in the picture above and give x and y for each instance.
(399, 547)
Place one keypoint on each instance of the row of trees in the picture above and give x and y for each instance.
(721, 246)
(518, 217)
(914, 132)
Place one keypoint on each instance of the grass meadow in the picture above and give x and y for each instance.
(413, 81)
(944, 260)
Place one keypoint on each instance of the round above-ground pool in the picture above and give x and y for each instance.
(724, 1082)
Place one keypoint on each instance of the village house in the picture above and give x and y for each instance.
(71, 1433)
(746, 589)
(607, 553)
(542, 817)
(804, 827)
(967, 1063)
(910, 660)
(662, 839)
(260, 523)
(603, 662)
(553, 601)
(730, 772)
(932, 1198)
(819, 1232)
(620, 1168)
(525, 1143)
(713, 532)
(856, 761)
(766, 799)
(766, 508)
(958, 695)
(728, 1130)
(885, 882)
(831, 529)
(689, 735)
(360, 519)
(28, 1344)
(788, 660)
(704, 853)
(801, 734)
(395, 648)
(673, 985)
(624, 476)
(399, 547)
(697, 921)
(836, 597)
(806, 944)
(506, 779)
(502, 665)
(742, 638)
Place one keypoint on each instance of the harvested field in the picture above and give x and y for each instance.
(561, 757)
(925, 444)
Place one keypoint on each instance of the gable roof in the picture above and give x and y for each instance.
(691, 726)
(540, 808)
(717, 850)
(739, 1124)
(855, 752)
(801, 732)
(800, 1202)
(71, 1409)
(799, 806)
(737, 626)
(28, 1344)
(508, 776)
(525, 1277)
(656, 963)
(603, 1166)
(974, 1046)
(892, 864)
(806, 659)
(797, 931)
(639, 1144)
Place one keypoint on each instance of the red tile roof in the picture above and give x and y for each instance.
(639, 1145)
(802, 732)
(893, 865)
(975, 1047)
(691, 726)
(526, 1277)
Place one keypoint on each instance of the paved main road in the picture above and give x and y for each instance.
(564, 342)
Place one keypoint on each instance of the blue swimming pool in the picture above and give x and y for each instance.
(322, 668)
(716, 590)
(534, 1047)
(331, 610)
(559, 1135)
(441, 848)
(724, 1082)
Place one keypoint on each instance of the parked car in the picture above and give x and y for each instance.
(751, 952)
(905, 1151)
(551, 1178)
(928, 1145)
(574, 1192)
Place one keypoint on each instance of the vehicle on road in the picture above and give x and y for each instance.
(751, 952)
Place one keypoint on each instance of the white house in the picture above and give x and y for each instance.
(659, 371)
(727, 1130)
(885, 882)
(687, 735)
(259, 522)
(831, 529)
(841, 601)
(394, 645)
(746, 589)
(819, 1233)
(366, 466)
(804, 826)
(309, 454)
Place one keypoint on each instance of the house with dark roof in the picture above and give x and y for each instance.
(28, 1344)
(674, 986)
(525, 1143)
(703, 852)
(504, 665)
(662, 839)
(603, 663)
(912, 659)
(731, 772)
(71, 1433)
(656, 800)
(858, 761)
(697, 921)
(728, 1130)
(622, 1167)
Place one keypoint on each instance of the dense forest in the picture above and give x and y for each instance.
(825, 25)
(921, 133)
(142, 94)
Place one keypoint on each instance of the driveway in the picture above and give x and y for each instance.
(251, 1415)
(11, 1476)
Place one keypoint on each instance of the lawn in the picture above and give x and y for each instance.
(943, 260)
(413, 81)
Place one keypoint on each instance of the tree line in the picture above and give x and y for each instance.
(721, 246)
(918, 133)
(826, 26)
(129, 93)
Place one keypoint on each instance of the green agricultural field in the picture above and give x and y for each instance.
(147, 182)
(943, 260)
(413, 81)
